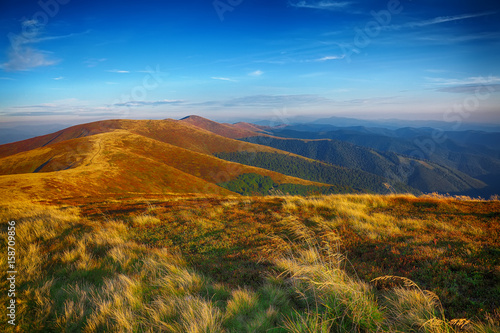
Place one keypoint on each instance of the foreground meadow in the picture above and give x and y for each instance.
(340, 263)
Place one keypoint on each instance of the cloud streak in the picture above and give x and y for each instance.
(93, 62)
(331, 58)
(441, 39)
(119, 71)
(223, 79)
(149, 103)
(256, 73)
(470, 89)
(323, 5)
(467, 85)
(22, 56)
(272, 101)
(473, 80)
(438, 20)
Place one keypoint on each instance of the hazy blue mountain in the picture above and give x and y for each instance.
(400, 123)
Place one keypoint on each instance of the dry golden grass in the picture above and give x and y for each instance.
(391, 281)
(110, 300)
(354, 210)
(81, 274)
(145, 220)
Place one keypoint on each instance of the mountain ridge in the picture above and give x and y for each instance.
(193, 155)
(425, 176)
(122, 162)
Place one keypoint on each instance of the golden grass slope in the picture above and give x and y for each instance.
(100, 175)
(188, 136)
(55, 157)
(59, 136)
(175, 132)
(118, 162)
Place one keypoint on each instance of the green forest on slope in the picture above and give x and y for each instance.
(343, 178)
(254, 184)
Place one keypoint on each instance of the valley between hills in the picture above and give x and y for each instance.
(197, 226)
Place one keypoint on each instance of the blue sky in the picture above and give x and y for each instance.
(77, 61)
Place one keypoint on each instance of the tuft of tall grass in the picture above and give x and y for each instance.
(339, 301)
(145, 220)
(352, 210)
(198, 315)
(309, 322)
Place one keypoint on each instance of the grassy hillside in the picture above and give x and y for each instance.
(175, 132)
(119, 162)
(110, 165)
(56, 157)
(161, 156)
(208, 137)
(342, 263)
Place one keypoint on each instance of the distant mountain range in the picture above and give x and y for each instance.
(387, 123)
(197, 155)
(473, 153)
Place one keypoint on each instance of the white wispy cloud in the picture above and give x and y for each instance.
(47, 38)
(93, 62)
(464, 81)
(118, 71)
(58, 78)
(471, 89)
(465, 85)
(446, 39)
(372, 100)
(265, 101)
(149, 103)
(325, 5)
(223, 79)
(331, 58)
(66, 107)
(256, 73)
(22, 55)
(314, 74)
(75, 108)
(439, 20)
(433, 70)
